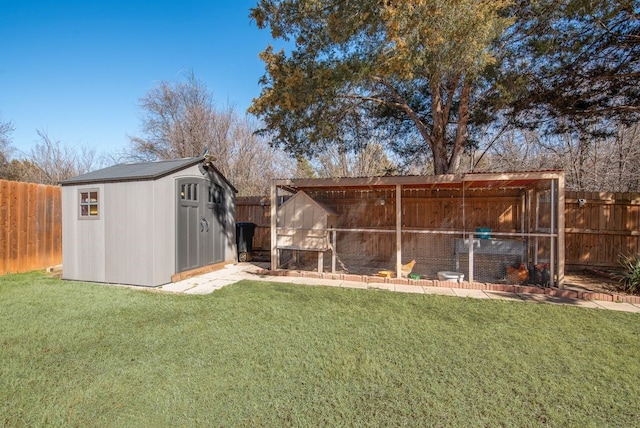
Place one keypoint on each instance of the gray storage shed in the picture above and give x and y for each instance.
(144, 223)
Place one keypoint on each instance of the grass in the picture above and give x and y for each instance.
(265, 354)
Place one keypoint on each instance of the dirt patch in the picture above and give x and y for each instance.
(592, 280)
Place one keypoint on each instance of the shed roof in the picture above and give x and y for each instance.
(139, 171)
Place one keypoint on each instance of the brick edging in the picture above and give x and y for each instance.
(518, 289)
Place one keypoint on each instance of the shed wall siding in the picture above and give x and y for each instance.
(229, 220)
(230, 226)
(128, 215)
(83, 249)
(164, 230)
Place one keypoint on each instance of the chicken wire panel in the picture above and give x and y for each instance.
(356, 252)
(365, 253)
(301, 259)
(523, 260)
(433, 252)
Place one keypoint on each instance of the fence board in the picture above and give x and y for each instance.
(4, 225)
(30, 226)
(605, 226)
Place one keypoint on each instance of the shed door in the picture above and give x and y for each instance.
(198, 230)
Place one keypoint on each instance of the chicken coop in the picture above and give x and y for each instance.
(307, 225)
(478, 227)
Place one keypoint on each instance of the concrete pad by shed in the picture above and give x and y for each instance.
(200, 289)
(177, 287)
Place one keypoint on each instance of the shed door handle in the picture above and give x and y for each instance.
(204, 224)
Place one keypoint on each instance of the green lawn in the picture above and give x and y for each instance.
(264, 354)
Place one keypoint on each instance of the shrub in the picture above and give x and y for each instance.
(630, 277)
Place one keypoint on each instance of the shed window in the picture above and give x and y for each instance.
(189, 192)
(89, 204)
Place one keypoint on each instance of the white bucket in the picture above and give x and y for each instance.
(450, 276)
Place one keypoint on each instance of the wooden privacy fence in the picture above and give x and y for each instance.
(598, 226)
(30, 226)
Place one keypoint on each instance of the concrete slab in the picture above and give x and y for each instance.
(379, 286)
(503, 295)
(318, 281)
(443, 291)
(625, 307)
(235, 277)
(409, 288)
(465, 292)
(202, 289)
(176, 287)
(585, 304)
(282, 279)
(354, 284)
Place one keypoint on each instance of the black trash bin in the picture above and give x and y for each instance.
(244, 240)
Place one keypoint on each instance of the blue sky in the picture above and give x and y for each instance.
(77, 69)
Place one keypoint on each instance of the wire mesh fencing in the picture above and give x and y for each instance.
(489, 230)
(444, 255)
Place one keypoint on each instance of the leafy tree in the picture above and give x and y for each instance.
(304, 169)
(416, 66)
(575, 64)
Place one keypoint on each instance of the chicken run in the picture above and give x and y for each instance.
(494, 228)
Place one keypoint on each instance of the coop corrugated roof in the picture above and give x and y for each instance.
(467, 180)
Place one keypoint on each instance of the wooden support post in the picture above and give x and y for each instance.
(552, 246)
(470, 240)
(333, 251)
(398, 231)
(275, 259)
(560, 227)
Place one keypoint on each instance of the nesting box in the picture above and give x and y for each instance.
(303, 224)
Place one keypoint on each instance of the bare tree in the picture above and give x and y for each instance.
(371, 160)
(51, 162)
(6, 149)
(518, 151)
(626, 155)
(591, 163)
(176, 121)
(179, 120)
(244, 157)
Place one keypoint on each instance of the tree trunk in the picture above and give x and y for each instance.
(438, 140)
(461, 132)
